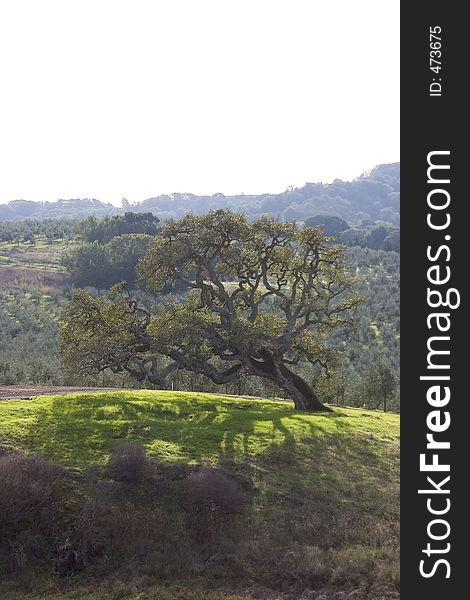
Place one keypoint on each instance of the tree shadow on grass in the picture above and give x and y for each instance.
(81, 429)
(288, 453)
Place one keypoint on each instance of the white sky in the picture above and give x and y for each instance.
(136, 98)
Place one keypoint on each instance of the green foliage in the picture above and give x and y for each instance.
(378, 386)
(375, 337)
(101, 266)
(329, 224)
(374, 195)
(290, 290)
(87, 265)
(105, 229)
(29, 332)
(368, 234)
(123, 254)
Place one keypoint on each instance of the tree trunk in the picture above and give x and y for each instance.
(300, 391)
(295, 387)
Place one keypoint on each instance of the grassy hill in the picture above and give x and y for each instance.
(319, 509)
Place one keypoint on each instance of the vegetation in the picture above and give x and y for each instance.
(260, 498)
(372, 196)
(31, 230)
(375, 339)
(289, 291)
(29, 332)
(37, 253)
(104, 230)
(168, 495)
(103, 265)
(367, 234)
(30, 305)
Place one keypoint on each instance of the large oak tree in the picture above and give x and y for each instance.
(262, 298)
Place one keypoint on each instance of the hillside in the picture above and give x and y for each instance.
(319, 508)
(374, 195)
(33, 296)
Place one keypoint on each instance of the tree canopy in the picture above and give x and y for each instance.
(103, 265)
(262, 298)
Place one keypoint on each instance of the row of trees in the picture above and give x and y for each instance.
(103, 230)
(29, 334)
(30, 229)
(367, 234)
(374, 195)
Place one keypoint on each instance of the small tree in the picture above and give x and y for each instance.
(379, 384)
(263, 297)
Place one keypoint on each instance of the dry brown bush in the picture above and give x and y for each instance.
(31, 505)
(213, 495)
(129, 464)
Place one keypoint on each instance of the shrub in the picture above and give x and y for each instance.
(129, 464)
(287, 568)
(212, 496)
(133, 535)
(31, 494)
(70, 560)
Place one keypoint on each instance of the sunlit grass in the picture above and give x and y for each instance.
(80, 429)
(305, 468)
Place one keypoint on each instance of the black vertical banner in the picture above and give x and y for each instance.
(435, 324)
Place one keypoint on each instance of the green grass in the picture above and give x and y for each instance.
(325, 478)
(341, 453)
(80, 429)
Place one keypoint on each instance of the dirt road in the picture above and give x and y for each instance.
(20, 392)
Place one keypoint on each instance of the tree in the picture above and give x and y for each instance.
(329, 224)
(379, 384)
(88, 265)
(123, 253)
(103, 230)
(103, 265)
(262, 298)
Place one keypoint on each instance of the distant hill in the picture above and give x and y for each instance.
(374, 195)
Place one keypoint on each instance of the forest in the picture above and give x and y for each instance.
(374, 196)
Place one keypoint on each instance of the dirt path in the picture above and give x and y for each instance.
(23, 392)
(20, 392)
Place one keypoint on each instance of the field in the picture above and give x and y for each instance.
(322, 489)
(39, 255)
(26, 265)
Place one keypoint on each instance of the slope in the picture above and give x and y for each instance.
(322, 488)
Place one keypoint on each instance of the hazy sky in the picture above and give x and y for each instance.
(135, 98)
